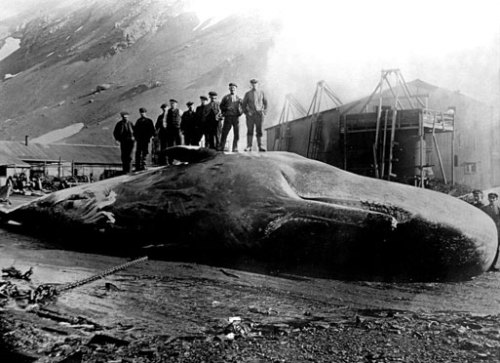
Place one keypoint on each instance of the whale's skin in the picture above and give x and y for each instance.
(282, 208)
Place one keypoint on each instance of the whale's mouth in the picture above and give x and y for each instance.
(399, 214)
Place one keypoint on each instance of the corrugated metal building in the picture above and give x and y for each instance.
(469, 155)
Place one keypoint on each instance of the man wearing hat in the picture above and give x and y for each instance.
(161, 134)
(174, 116)
(188, 125)
(124, 134)
(144, 130)
(492, 208)
(477, 199)
(213, 128)
(231, 108)
(254, 107)
(201, 116)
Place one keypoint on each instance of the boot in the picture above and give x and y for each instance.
(249, 143)
(259, 144)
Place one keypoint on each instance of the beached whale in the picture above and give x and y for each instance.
(277, 208)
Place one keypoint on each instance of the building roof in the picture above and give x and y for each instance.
(11, 151)
(9, 160)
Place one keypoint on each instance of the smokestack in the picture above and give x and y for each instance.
(26, 139)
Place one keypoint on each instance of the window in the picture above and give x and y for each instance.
(470, 168)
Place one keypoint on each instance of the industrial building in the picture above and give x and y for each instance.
(60, 160)
(411, 132)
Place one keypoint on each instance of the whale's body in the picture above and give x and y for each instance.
(280, 208)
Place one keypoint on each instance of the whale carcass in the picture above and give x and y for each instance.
(277, 208)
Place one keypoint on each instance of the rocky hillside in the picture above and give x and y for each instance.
(84, 61)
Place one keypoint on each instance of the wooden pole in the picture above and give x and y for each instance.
(345, 142)
(421, 128)
(384, 146)
(453, 152)
(377, 129)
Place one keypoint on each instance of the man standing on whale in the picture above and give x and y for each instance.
(231, 108)
(124, 134)
(254, 107)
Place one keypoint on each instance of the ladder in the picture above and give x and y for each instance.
(314, 112)
(291, 107)
(379, 157)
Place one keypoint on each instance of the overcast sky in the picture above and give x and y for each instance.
(454, 44)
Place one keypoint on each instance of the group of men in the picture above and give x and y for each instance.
(212, 120)
(492, 208)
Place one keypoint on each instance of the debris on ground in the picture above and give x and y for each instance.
(14, 273)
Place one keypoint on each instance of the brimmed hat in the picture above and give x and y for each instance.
(253, 80)
(142, 110)
(190, 103)
(163, 105)
(233, 84)
(212, 93)
(173, 100)
(204, 98)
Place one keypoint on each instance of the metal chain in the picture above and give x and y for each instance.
(110, 271)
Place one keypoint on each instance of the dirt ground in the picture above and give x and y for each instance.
(160, 311)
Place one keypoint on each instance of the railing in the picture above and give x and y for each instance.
(441, 120)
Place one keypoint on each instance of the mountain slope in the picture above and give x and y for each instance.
(141, 52)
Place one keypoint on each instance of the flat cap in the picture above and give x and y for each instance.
(143, 109)
(477, 191)
(233, 84)
(212, 93)
(493, 195)
(163, 105)
(173, 100)
(124, 113)
(204, 98)
(253, 80)
(190, 103)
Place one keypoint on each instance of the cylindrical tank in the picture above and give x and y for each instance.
(418, 154)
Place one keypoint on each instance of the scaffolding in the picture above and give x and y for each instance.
(291, 108)
(388, 120)
(316, 121)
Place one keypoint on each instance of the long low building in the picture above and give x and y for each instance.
(61, 160)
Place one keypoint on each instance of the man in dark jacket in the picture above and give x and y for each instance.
(231, 108)
(492, 209)
(174, 118)
(189, 126)
(161, 134)
(201, 116)
(144, 130)
(124, 134)
(213, 124)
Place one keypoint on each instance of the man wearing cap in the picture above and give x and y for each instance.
(477, 199)
(201, 116)
(231, 108)
(254, 107)
(161, 134)
(492, 208)
(174, 117)
(144, 130)
(213, 128)
(124, 134)
(188, 125)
